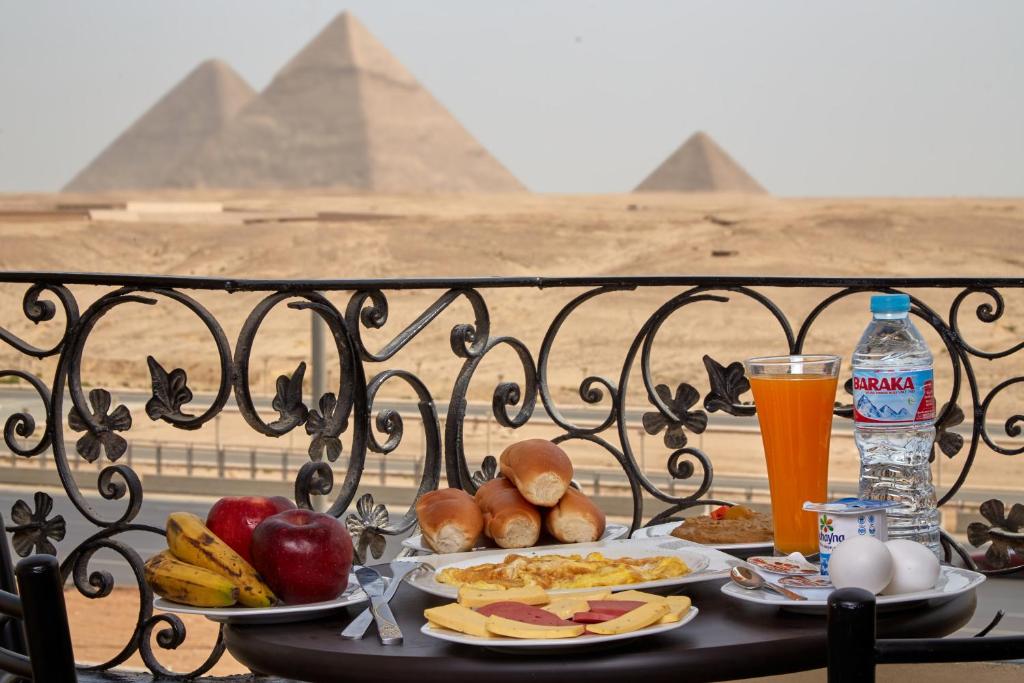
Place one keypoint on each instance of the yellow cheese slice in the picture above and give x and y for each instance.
(517, 629)
(565, 608)
(678, 605)
(639, 596)
(476, 597)
(634, 620)
(458, 618)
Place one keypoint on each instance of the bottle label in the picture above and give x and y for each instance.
(893, 397)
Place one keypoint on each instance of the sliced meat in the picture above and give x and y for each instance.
(594, 617)
(527, 614)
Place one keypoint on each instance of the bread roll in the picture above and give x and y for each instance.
(450, 520)
(575, 519)
(539, 469)
(509, 519)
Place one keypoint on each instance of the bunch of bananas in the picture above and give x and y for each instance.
(201, 570)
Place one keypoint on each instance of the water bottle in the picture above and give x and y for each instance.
(894, 419)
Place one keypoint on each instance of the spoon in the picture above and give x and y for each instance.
(752, 581)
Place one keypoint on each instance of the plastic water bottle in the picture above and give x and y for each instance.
(894, 419)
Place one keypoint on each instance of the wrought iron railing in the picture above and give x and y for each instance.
(675, 408)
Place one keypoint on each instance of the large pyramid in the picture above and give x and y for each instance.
(170, 132)
(345, 113)
(699, 165)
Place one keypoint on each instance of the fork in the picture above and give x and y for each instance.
(399, 570)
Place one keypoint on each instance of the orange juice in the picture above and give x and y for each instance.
(795, 412)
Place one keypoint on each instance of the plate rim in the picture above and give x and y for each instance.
(422, 548)
(765, 598)
(555, 643)
(704, 573)
(717, 546)
(355, 596)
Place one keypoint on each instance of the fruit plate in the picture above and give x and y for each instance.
(552, 645)
(705, 563)
(663, 530)
(279, 614)
(416, 542)
(952, 581)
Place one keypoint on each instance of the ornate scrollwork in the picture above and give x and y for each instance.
(378, 430)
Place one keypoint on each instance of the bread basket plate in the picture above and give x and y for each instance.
(549, 645)
(418, 543)
(952, 582)
(665, 530)
(705, 563)
(278, 614)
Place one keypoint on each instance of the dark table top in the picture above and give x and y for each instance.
(728, 639)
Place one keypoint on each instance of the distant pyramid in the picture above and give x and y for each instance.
(345, 113)
(699, 165)
(144, 156)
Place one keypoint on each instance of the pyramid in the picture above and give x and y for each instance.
(345, 113)
(144, 156)
(699, 165)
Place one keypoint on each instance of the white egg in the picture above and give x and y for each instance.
(861, 562)
(915, 568)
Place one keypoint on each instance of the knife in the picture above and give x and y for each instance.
(357, 627)
(374, 586)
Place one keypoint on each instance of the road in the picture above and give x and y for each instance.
(995, 594)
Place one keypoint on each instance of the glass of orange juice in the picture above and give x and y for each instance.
(794, 396)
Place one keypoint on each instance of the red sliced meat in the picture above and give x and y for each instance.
(594, 617)
(528, 614)
(616, 607)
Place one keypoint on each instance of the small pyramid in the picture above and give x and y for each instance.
(345, 113)
(145, 155)
(700, 165)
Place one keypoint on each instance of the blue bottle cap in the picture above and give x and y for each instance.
(890, 303)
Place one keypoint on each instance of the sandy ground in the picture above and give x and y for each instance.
(517, 235)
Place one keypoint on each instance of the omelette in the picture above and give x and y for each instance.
(564, 572)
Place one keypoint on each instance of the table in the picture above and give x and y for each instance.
(728, 639)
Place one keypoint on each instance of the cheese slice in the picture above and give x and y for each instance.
(634, 620)
(564, 608)
(678, 605)
(476, 597)
(458, 618)
(517, 629)
(637, 595)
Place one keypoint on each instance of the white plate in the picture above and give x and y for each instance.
(279, 614)
(705, 563)
(416, 542)
(548, 644)
(663, 530)
(952, 582)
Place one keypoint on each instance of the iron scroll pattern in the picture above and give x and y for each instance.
(676, 408)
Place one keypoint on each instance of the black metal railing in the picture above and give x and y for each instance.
(674, 408)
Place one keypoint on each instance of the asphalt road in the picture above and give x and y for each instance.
(995, 594)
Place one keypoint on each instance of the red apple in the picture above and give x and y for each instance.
(304, 556)
(233, 519)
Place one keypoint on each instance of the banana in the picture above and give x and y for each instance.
(175, 580)
(190, 541)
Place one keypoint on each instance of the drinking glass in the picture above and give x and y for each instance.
(794, 396)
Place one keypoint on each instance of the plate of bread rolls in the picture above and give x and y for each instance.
(532, 503)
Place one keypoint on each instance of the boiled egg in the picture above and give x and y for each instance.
(861, 562)
(915, 568)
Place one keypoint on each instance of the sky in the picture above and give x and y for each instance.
(813, 98)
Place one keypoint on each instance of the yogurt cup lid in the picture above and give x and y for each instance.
(851, 505)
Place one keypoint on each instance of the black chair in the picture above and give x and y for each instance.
(853, 650)
(47, 656)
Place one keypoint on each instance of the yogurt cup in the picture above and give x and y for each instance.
(846, 518)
